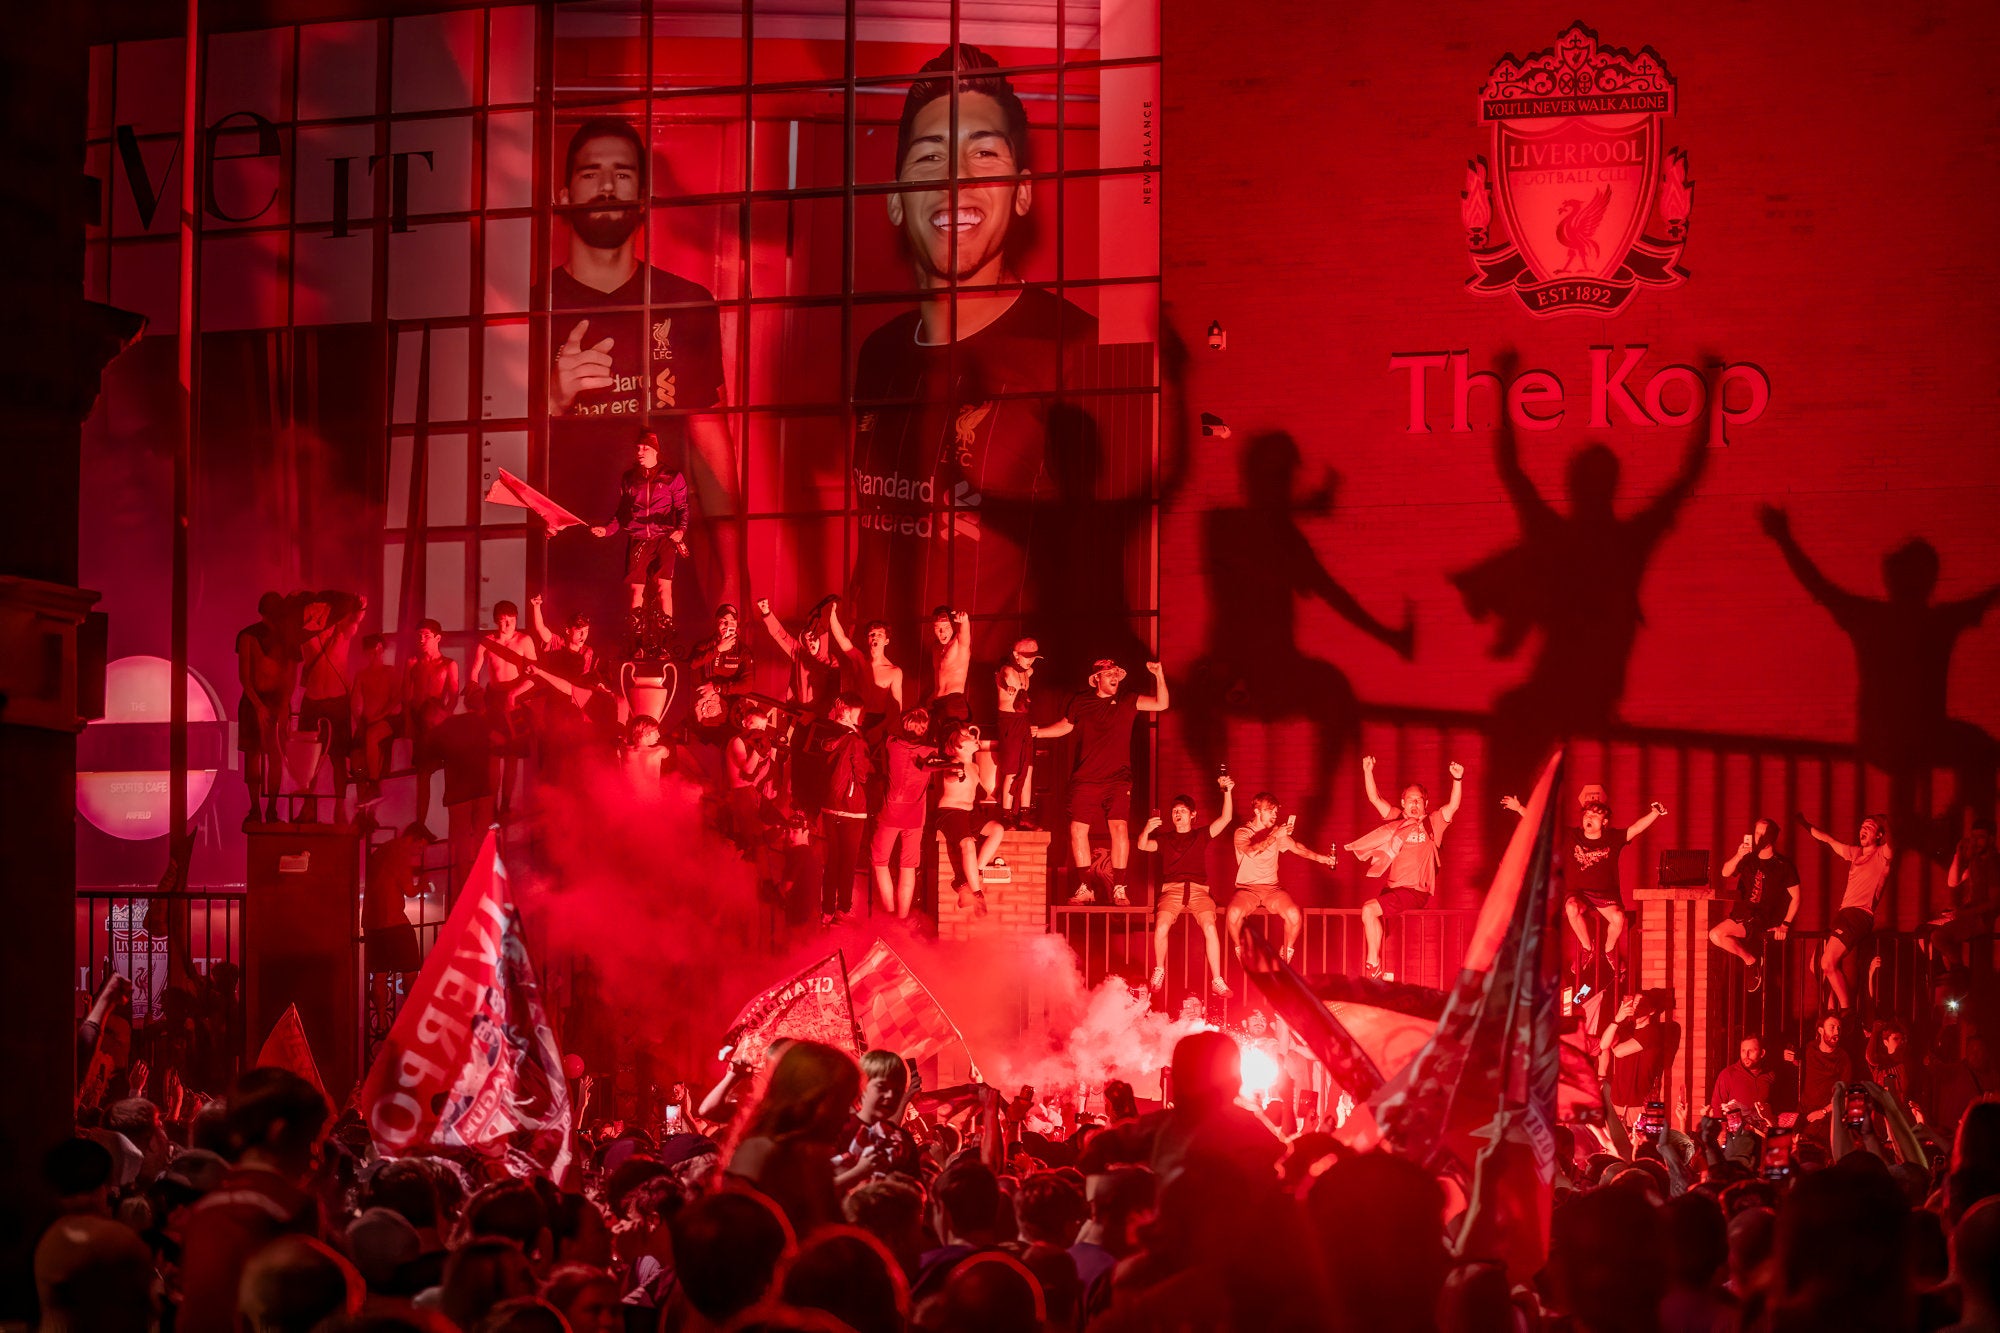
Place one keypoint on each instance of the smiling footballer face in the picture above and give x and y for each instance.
(965, 240)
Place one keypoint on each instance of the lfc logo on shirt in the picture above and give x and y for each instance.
(965, 431)
(1576, 136)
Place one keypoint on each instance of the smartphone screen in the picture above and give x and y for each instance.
(1778, 1155)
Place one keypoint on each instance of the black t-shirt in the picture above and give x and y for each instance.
(1184, 856)
(674, 363)
(1762, 884)
(1593, 862)
(1103, 736)
(956, 484)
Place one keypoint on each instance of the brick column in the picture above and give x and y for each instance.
(1673, 952)
(1017, 915)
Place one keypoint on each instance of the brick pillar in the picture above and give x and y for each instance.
(1017, 916)
(1674, 952)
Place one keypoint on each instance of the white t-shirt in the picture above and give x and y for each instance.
(1867, 873)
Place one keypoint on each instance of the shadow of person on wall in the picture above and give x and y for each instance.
(1258, 562)
(1573, 580)
(1902, 656)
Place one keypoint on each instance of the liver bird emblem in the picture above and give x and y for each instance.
(1576, 228)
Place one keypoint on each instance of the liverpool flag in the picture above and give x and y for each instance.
(897, 1012)
(471, 1061)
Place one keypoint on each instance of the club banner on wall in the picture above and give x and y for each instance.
(871, 363)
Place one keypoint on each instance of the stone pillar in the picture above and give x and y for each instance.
(1674, 952)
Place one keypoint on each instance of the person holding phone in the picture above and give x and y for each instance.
(1404, 850)
(1259, 844)
(1767, 898)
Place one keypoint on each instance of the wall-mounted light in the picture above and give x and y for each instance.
(1214, 426)
(1218, 337)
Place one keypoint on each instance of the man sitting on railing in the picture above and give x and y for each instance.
(1184, 880)
(1591, 875)
(1767, 898)
(1258, 845)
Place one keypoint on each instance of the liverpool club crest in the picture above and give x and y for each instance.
(1582, 180)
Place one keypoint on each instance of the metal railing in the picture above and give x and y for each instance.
(1423, 948)
(170, 946)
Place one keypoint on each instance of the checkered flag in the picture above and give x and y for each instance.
(896, 1011)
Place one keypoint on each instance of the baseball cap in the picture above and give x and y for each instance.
(1102, 664)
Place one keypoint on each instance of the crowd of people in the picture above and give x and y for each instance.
(826, 1195)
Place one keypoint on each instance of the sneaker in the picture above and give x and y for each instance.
(964, 896)
(1083, 896)
(1025, 823)
(826, 920)
(1159, 979)
(1118, 896)
(1373, 971)
(979, 902)
(1755, 977)
(1221, 987)
(1286, 953)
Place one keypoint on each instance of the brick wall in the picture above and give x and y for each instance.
(1016, 906)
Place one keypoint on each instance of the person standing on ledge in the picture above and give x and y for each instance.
(1405, 849)
(653, 513)
(1591, 875)
(1101, 784)
(1767, 898)
(1867, 860)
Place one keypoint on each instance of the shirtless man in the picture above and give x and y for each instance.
(430, 693)
(1405, 849)
(263, 715)
(505, 685)
(951, 656)
(958, 792)
(750, 762)
(1259, 844)
(1868, 859)
(328, 685)
(378, 709)
(877, 681)
(1014, 749)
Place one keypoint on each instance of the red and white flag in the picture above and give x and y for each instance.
(287, 1048)
(508, 489)
(897, 1012)
(471, 1061)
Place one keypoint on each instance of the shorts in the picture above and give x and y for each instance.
(1250, 897)
(901, 846)
(1399, 900)
(955, 825)
(250, 738)
(1854, 926)
(509, 729)
(1112, 800)
(1185, 895)
(1596, 899)
(949, 709)
(426, 753)
(649, 556)
(1013, 747)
